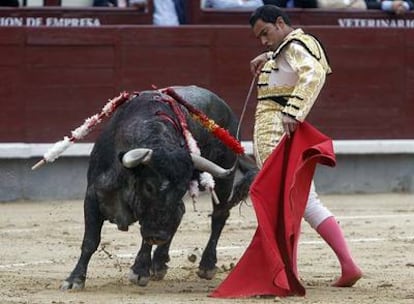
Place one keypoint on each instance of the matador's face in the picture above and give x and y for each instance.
(271, 35)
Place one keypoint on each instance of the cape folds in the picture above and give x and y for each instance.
(279, 195)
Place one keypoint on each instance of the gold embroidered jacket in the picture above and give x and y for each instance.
(294, 74)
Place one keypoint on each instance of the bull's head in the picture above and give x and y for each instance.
(162, 180)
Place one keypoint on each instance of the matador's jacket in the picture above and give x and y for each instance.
(289, 83)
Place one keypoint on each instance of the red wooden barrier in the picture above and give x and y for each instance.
(51, 79)
(74, 17)
(343, 18)
(97, 16)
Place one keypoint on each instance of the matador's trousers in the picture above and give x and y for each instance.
(268, 131)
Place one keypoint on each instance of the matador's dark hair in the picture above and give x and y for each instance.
(268, 13)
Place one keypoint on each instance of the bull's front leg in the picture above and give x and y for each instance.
(143, 269)
(156, 268)
(91, 239)
(140, 271)
(207, 268)
(221, 212)
(159, 262)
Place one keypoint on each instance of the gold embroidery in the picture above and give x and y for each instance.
(267, 92)
(267, 69)
(311, 79)
(295, 75)
(310, 70)
(296, 102)
(311, 43)
(268, 129)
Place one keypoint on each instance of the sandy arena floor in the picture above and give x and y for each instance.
(40, 245)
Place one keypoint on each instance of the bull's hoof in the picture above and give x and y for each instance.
(139, 280)
(207, 274)
(159, 274)
(76, 284)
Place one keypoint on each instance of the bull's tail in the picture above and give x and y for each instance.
(248, 168)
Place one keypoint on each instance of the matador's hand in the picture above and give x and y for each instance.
(289, 125)
(398, 7)
(257, 63)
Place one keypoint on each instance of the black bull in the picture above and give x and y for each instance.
(148, 184)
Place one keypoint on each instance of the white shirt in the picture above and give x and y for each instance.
(165, 13)
(229, 4)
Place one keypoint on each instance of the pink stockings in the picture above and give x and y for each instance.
(331, 232)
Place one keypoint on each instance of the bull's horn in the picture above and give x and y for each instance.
(134, 157)
(203, 164)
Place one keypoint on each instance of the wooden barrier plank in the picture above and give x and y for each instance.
(11, 116)
(160, 37)
(48, 119)
(55, 79)
(343, 18)
(13, 55)
(69, 77)
(99, 56)
(102, 16)
(75, 36)
(73, 17)
(13, 36)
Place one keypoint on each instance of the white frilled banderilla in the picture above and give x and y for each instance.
(90, 123)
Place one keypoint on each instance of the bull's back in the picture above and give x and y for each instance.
(211, 105)
(128, 118)
(216, 109)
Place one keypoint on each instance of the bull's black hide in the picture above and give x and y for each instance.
(151, 189)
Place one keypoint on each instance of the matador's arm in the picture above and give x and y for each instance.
(311, 78)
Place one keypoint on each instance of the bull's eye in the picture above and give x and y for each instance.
(149, 189)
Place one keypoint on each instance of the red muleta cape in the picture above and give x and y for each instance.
(279, 195)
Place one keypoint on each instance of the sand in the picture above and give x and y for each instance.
(40, 244)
